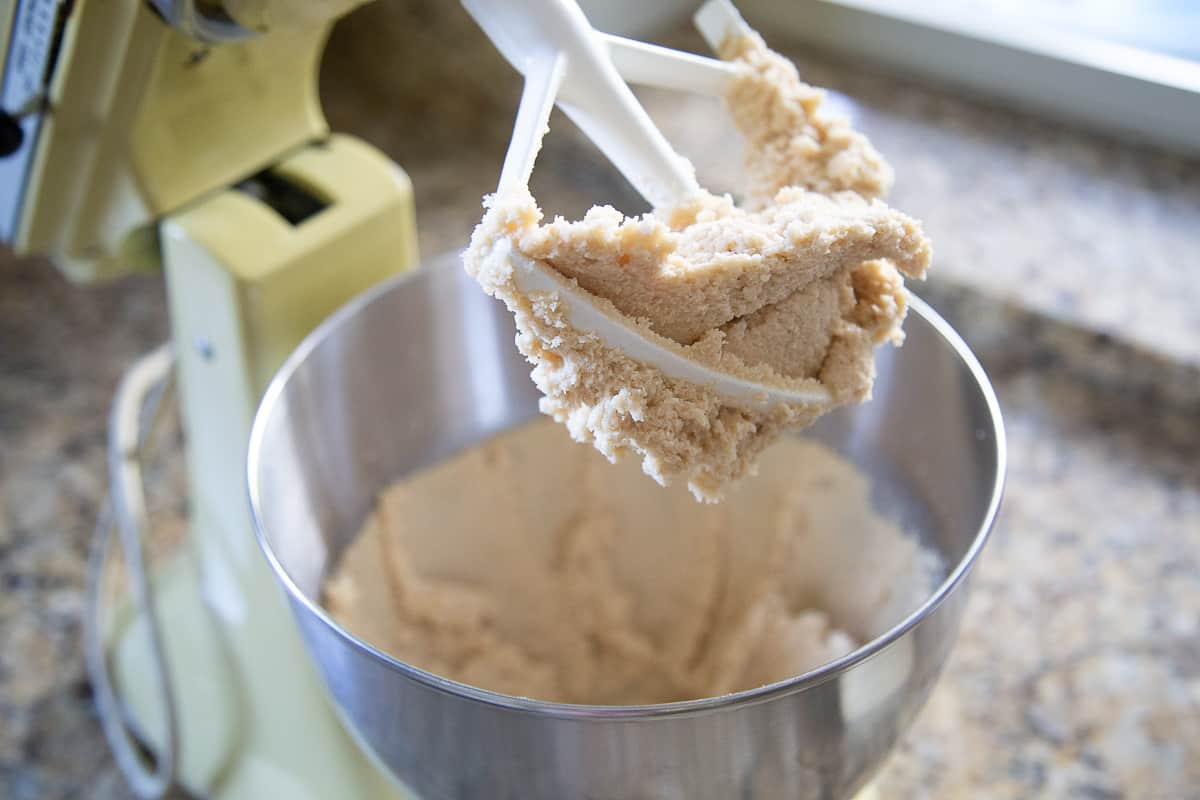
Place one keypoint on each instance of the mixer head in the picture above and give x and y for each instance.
(116, 114)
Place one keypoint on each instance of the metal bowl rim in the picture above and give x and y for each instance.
(788, 686)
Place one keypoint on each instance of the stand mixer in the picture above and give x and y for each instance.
(187, 137)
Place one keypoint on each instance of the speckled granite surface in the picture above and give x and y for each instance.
(1064, 260)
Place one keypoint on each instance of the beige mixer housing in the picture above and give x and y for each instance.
(188, 137)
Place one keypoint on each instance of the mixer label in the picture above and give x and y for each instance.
(35, 28)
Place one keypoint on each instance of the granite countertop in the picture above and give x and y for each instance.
(1068, 263)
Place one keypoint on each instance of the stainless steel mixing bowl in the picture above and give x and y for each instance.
(425, 365)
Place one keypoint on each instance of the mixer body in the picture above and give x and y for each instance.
(188, 137)
(245, 283)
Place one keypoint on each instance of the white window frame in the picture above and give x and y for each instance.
(1120, 90)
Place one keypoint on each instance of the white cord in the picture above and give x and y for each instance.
(125, 509)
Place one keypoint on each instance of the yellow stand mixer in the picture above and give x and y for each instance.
(188, 137)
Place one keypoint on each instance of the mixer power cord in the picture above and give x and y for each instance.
(139, 396)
